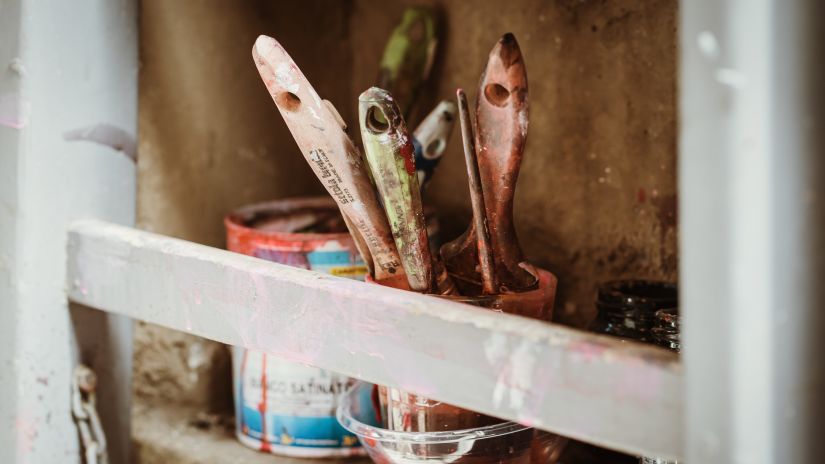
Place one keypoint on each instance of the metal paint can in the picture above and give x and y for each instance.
(284, 407)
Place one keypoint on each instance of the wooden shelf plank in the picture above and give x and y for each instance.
(621, 395)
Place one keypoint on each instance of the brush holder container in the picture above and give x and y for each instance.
(403, 411)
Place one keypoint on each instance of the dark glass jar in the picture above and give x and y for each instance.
(626, 308)
(640, 310)
(665, 331)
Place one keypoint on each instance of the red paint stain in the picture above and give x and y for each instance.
(641, 195)
(409, 161)
(240, 406)
(376, 403)
(262, 407)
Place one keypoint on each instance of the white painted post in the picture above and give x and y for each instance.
(751, 147)
(68, 104)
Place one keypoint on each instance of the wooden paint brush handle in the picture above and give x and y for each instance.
(330, 152)
(501, 132)
(489, 281)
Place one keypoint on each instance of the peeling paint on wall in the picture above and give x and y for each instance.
(108, 135)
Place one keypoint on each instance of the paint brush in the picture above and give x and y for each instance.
(389, 152)
(430, 139)
(489, 282)
(319, 132)
(501, 132)
(408, 57)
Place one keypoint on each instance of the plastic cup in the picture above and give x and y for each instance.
(504, 442)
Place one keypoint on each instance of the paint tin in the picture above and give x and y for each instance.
(284, 407)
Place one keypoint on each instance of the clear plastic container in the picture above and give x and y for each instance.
(405, 411)
(504, 442)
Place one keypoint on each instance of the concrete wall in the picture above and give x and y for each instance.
(596, 198)
(211, 140)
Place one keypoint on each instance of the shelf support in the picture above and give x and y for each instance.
(751, 211)
(68, 115)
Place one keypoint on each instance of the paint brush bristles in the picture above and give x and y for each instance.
(389, 152)
(489, 283)
(318, 131)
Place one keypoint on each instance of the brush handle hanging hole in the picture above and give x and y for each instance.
(289, 101)
(496, 94)
(434, 149)
(376, 120)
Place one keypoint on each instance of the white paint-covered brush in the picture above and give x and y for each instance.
(430, 139)
(319, 132)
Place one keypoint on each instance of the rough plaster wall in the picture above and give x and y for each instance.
(596, 195)
(211, 140)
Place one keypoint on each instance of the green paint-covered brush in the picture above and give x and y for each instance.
(408, 57)
(389, 152)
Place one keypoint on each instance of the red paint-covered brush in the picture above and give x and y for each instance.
(501, 132)
(489, 280)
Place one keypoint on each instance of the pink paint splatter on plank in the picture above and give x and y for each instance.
(14, 111)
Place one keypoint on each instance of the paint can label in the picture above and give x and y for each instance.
(289, 408)
(298, 404)
(331, 259)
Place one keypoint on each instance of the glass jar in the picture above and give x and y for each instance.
(626, 307)
(665, 331)
(640, 310)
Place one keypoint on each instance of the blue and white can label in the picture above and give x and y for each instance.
(289, 408)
